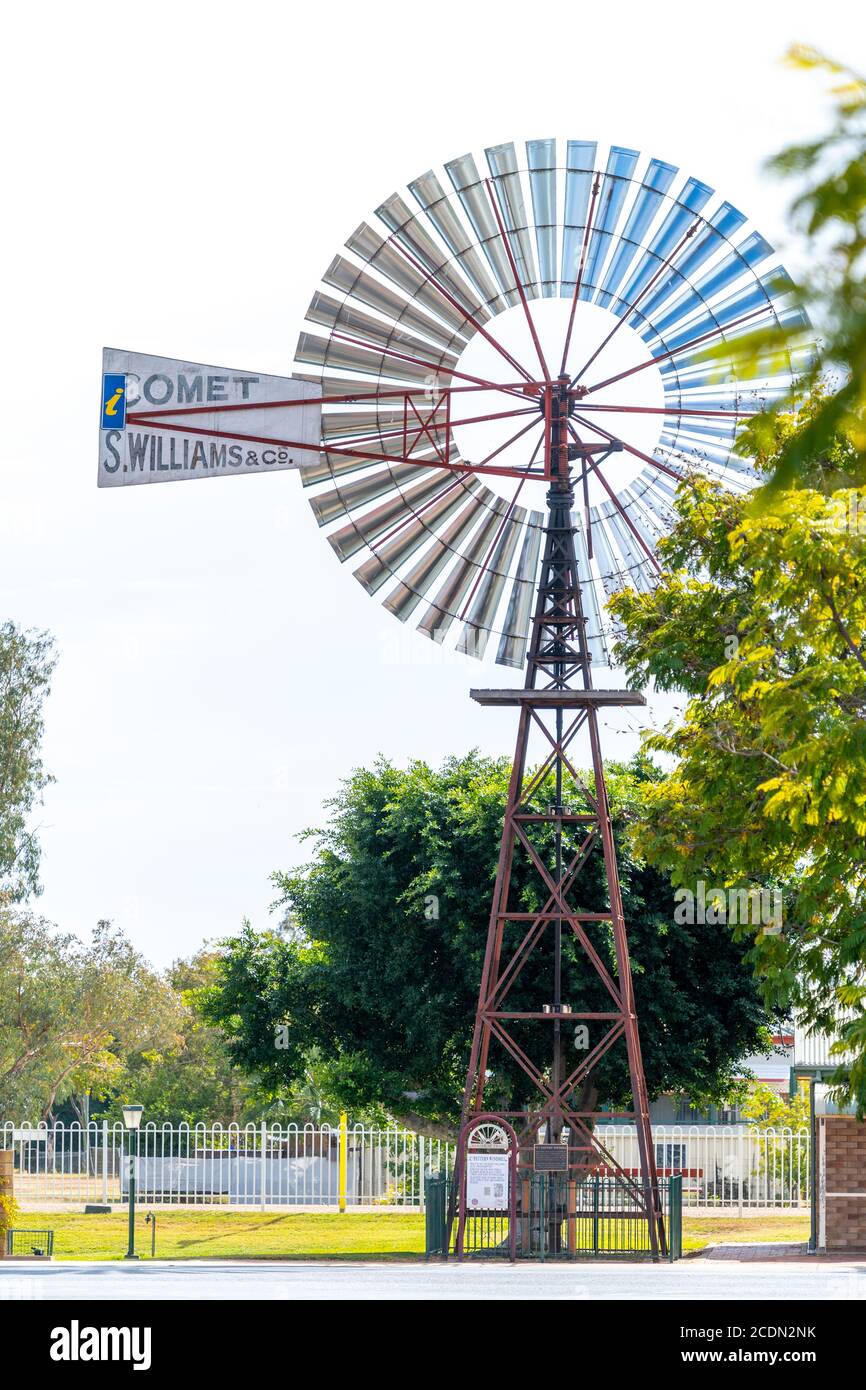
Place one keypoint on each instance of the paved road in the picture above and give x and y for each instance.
(165, 1279)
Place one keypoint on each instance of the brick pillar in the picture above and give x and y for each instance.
(842, 1158)
(5, 1189)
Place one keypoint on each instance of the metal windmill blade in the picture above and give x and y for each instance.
(436, 337)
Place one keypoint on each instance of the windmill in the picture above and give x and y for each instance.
(501, 381)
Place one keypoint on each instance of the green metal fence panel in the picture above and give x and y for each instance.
(561, 1218)
(675, 1218)
(435, 1219)
(21, 1241)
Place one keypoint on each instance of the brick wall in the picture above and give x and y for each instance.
(5, 1191)
(844, 1164)
(6, 1157)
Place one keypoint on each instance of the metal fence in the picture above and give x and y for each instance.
(735, 1167)
(738, 1167)
(558, 1218)
(259, 1165)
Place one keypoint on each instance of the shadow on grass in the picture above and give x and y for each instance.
(195, 1242)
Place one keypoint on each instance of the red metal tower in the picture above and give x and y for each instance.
(558, 700)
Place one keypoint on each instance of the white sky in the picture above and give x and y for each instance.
(176, 177)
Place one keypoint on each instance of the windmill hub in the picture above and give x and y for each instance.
(643, 390)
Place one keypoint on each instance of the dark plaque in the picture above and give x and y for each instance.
(551, 1158)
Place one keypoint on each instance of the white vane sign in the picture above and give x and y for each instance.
(162, 420)
(487, 1182)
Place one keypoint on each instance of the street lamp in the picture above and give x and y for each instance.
(132, 1120)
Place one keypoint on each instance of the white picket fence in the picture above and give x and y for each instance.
(741, 1168)
(233, 1165)
(736, 1167)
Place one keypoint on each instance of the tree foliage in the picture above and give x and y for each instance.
(786, 1163)
(760, 617)
(190, 1077)
(769, 1110)
(70, 1012)
(378, 961)
(830, 211)
(26, 664)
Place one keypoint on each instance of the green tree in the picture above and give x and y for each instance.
(767, 1108)
(379, 958)
(760, 617)
(783, 1157)
(26, 663)
(830, 211)
(192, 1079)
(70, 1012)
(35, 1004)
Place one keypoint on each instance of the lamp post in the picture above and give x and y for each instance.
(132, 1121)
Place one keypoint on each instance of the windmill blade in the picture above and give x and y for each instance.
(342, 275)
(502, 162)
(446, 605)
(410, 234)
(467, 181)
(390, 516)
(404, 599)
(751, 252)
(580, 177)
(334, 314)
(388, 558)
(335, 352)
(362, 424)
(512, 643)
(715, 233)
(378, 252)
(614, 187)
(594, 594)
(432, 197)
(541, 157)
(689, 203)
(656, 183)
(342, 500)
(491, 583)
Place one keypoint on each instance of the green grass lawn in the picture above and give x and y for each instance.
(230, 1235)
(699, 1231)
(196, 1235)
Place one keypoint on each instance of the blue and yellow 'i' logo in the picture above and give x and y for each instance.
(113, 401)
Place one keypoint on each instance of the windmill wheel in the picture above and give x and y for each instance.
(436, 338)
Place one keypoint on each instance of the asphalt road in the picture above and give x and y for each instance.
(688, 1279)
